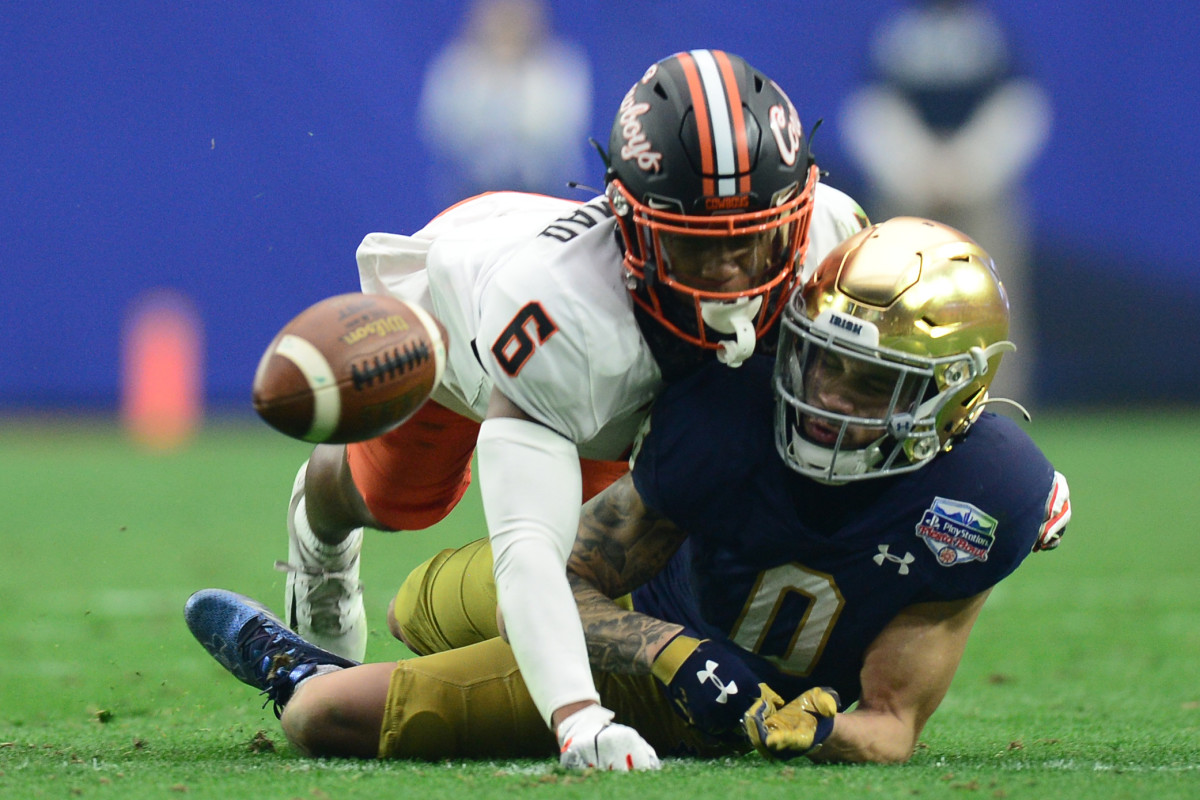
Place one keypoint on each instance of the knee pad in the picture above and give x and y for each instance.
(449, 601)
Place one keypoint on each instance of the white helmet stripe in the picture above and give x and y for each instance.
(718, 113)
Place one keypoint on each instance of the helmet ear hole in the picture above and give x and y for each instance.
(955, 374)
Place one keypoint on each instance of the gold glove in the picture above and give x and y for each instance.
(798, 728)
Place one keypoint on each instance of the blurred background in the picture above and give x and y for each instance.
(177, 180)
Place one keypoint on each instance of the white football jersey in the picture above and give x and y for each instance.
(531, 292)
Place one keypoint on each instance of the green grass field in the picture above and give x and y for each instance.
(1082, 678)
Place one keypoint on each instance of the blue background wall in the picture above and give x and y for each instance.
(239, 152)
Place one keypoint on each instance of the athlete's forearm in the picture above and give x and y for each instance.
(865, 736)
(618, 640)
(621, 544)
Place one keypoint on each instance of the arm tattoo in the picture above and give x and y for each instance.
(618, 641)
(621, 545)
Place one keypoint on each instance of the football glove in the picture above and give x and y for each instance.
(1058, 514)
(589, 739)
(709, 685)
(798, 728)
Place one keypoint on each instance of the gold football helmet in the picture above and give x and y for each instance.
(886, 354)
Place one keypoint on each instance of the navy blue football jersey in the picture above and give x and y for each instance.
(802, 575)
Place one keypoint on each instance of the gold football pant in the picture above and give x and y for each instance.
(466, 699)
(472, 703)
(449, 601)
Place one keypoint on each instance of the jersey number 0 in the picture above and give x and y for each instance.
(817, 593)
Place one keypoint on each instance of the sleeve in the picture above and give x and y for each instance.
(529, 479)
(390, 263)
(1036, 492)
(529, 346)
(836, 217)
(1008, 481)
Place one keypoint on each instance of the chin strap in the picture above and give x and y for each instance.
(1007, 402)
(831, 465)
(736, 317)
(957, 375)
(979, 356)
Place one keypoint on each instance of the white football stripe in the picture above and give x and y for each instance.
(718, 113)
(327, 399)
(435, 337)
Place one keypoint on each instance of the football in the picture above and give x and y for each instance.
(349, 368)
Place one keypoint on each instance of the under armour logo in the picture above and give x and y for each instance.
(900, 425)
(709, 673)
(884, 555)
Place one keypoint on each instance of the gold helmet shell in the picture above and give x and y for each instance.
(917, 299)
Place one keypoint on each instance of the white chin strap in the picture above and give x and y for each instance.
(736, 317)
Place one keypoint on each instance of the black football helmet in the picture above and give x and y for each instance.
(712, 184)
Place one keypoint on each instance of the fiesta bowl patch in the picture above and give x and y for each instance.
(957, 532)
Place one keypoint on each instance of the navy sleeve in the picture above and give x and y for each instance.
(1004, 480)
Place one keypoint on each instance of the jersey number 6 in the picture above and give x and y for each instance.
(530, 327)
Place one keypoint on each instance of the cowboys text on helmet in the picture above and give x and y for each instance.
(636, 147)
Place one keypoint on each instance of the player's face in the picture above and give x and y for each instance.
(837, 383)
(723, 264)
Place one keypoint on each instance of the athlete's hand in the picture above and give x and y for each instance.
(588, 738)
(709, 685)
(798, 728)
(1058, 514)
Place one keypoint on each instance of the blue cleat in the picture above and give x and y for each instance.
(254, 644)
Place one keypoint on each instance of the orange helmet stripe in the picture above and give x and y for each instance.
(700, 105)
